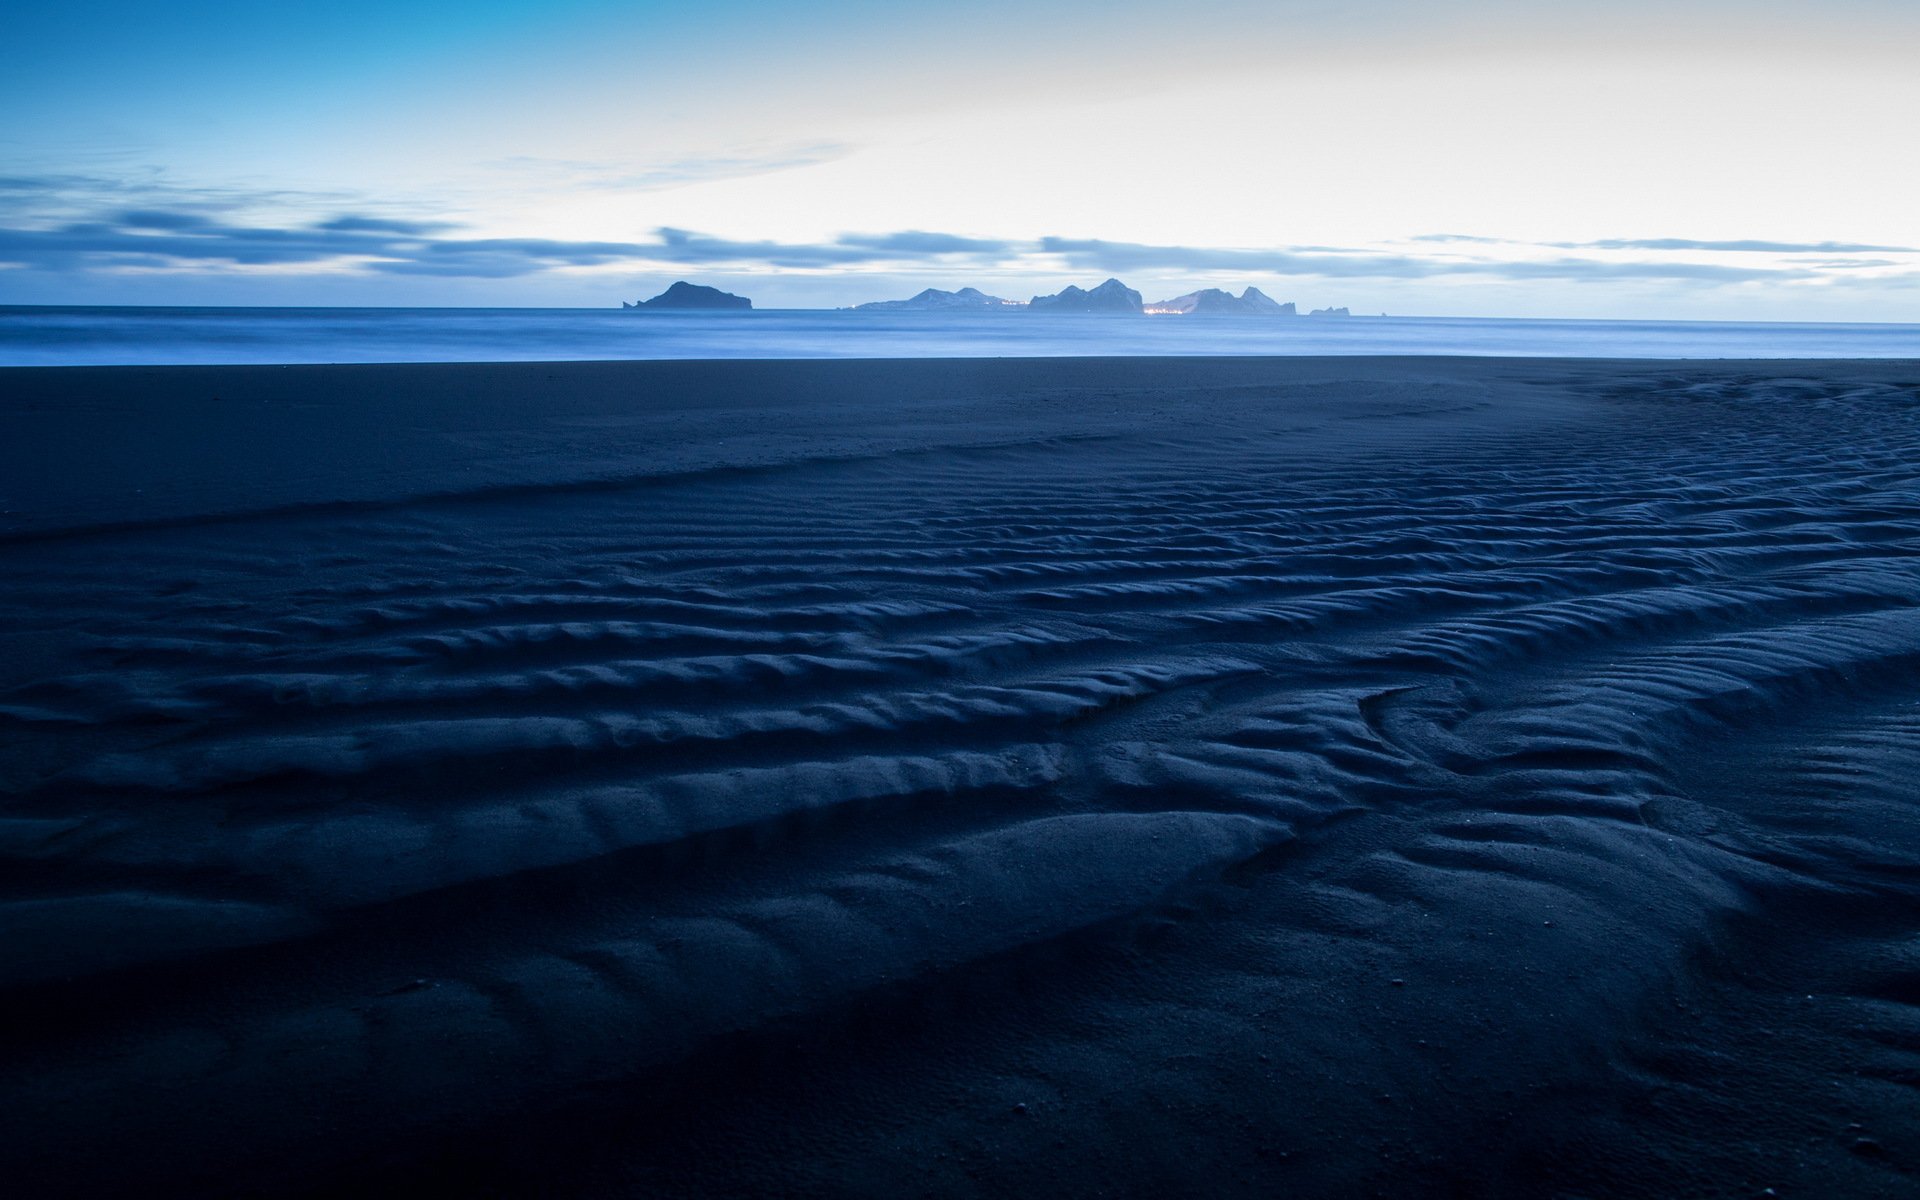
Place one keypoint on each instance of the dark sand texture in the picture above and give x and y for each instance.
(1023, 778)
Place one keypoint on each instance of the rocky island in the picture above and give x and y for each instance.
(692, 295)
(1110, 297)
(1215, 302)
(933, 299)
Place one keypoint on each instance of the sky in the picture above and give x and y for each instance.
(1694, 159)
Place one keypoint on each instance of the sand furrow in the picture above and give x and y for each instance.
(1471, 766)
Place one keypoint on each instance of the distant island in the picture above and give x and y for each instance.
(1110, 297)
(692, 295)
(1214, 302)
(933, 299)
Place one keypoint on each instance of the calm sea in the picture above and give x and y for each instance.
(31, 336)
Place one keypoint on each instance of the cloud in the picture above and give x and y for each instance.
(1723, 246)
(73, 195)
(160, 237)
(917, 242)
(360, 224)
(686, 247)
(1095, 255)
(1360, 264)
(42, 198)
(740, 162)
(1574, 269)
(1845, 264)
(147, 240)
(1465, 237)
(161, 219)
(1738, 246)
(189, 236)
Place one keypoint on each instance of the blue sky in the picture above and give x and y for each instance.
(1689, 159)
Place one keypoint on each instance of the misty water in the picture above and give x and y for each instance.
(50, 336)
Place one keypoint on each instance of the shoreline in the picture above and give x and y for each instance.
(55, 337)
(1017, 309)
(130, 446)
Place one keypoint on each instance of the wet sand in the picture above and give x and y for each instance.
(1306, 777)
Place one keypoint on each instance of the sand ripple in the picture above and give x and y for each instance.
(1510, 785)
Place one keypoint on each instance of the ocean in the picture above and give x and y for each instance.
(101, 336)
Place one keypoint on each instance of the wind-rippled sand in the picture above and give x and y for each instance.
(1125, 778)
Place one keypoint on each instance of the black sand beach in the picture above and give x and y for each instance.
(1224, 777)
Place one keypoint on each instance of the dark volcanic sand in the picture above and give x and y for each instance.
(1060, 778)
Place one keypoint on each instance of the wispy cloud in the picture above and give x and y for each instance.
(149, 238)
(1095, 255)
(737, 163)
(158, 236)
(70, 195)
(1718, 246)
(1363, 264)
(1845, 264)
(360, 224)
(919, 242)
(686, 247)
(1739, 246)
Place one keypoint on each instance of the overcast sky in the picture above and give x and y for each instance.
(1683, 159)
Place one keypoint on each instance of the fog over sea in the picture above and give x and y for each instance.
(100, 336)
